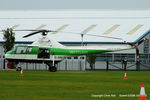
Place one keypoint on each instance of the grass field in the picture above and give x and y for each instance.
(72, 85)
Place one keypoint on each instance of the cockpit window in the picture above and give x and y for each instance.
(21, 50)
(14, 48)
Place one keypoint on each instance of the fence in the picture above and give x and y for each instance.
(114, 61)
(107, 61)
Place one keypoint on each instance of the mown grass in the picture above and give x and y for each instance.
(71, 85)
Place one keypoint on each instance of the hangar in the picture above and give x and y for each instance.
(130, 25)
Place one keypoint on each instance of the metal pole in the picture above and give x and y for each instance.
(26, 66)
(4, 64)
(80, 65)
(53, 60)
(107, 65)
(35, 67)
(66, 65)
(138, 64)
(81, 39)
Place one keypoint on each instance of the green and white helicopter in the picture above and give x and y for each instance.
(51, 52)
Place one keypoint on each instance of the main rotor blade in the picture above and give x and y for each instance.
(60, 28)
(39, 28)
(104, 36)
(40, 31)
(26, 30)
(88, 29)
(32, 34)
(94, 35)
(34, 30)
(15, 26)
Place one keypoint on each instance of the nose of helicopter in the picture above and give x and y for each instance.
(8, 54)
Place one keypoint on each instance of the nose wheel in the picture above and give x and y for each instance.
(52, 69)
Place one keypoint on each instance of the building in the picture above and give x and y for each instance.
(129, 25)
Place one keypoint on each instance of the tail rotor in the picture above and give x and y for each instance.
(137, 51)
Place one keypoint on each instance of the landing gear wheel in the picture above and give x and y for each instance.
(18, 69)
(52, 69)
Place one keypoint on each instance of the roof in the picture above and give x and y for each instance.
(131, 25)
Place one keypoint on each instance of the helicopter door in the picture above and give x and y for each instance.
(44, 53)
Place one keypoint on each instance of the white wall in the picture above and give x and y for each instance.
(78, 20)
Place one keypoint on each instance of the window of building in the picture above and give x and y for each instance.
(68, 57)
(81, 57)
(146, 46)
(75, 57)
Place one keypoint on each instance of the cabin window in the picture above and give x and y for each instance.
(29, 49)
(44, 53)
(21, 50)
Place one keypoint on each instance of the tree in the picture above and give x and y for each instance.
(9, 38)
(91, 60)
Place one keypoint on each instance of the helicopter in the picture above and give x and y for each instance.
(51, 52)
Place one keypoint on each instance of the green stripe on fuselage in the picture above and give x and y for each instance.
(61, 51)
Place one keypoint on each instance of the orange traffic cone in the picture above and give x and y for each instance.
(21, 72)
(142, 93)
(125, 75)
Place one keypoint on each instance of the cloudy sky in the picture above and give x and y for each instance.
(73, 4)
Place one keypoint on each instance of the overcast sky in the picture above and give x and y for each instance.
(73, 4)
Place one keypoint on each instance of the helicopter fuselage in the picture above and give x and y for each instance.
(45, 54)
(51, 52)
